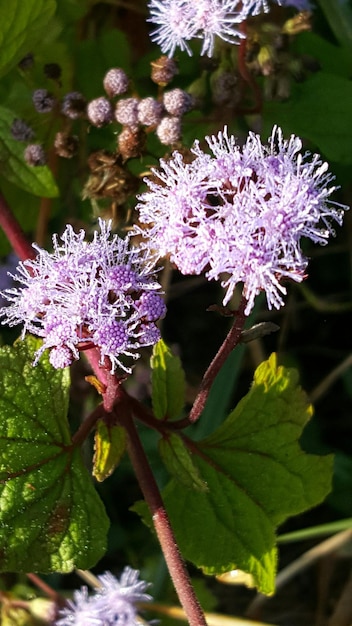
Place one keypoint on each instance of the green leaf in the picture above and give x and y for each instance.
(22, 24)
(168, 382)
(109, 445)
(51, 518)
(319, 110)
(257, 476)
(339, 16)
(178, 461)
(36, 180)
(332, 59)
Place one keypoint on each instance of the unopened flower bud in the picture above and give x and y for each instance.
(163, 70)
(198, 89)
(34, 155)
(298, 24)
(131, 142)
(21, 131)
(27, 62)
(43, 100)
(169, 130)
(53, 71)
(224, 88)
(99, 112)
(115, 82)
(266, 60)
(150, 112)
(126, 111)
(65, 145)
(73, 105)
(43, 609)
(177, 102)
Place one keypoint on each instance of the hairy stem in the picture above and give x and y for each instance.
(228, 345)
(14, 232)
(151, 493)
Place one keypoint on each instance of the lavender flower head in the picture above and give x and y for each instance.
(113, 603)
(179, 21)
(84, 294)
(239, 213)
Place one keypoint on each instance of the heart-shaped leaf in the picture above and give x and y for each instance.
(257, 475)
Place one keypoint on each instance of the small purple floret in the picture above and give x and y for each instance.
(99, 293)
(112, 604)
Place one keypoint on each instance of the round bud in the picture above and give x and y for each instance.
(99, 112)
(43, 100)
(34, 155)
(53, 71)
(126, 111)
(27, 62)
(150, 112)
(131, 142)
(73, 105)
(177, 102)
(224, 87)
(163, 70)
(21, 131)
(115, 82)
(65, 145)
(169, 130)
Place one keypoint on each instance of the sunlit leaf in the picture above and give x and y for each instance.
(178, 461)
(257, 476)
(168, 382)
(110, 445)
(51, 518)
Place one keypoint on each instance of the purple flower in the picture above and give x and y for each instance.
(112, 604)
(239, 213)
(84, 294)
(80, 611)
(179, 21)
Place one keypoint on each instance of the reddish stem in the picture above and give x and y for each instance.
(102, 371)
(87, 425)
(152, 496)
(228, 345)
(49, 591)
(14, 232)
(246, 75)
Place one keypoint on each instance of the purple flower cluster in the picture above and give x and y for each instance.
(101, 293)
(179, 21)
(112, 604)
(239, 213)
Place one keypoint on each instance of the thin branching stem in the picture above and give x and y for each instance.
(14, 232)
(152, 496)
(228, 345)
